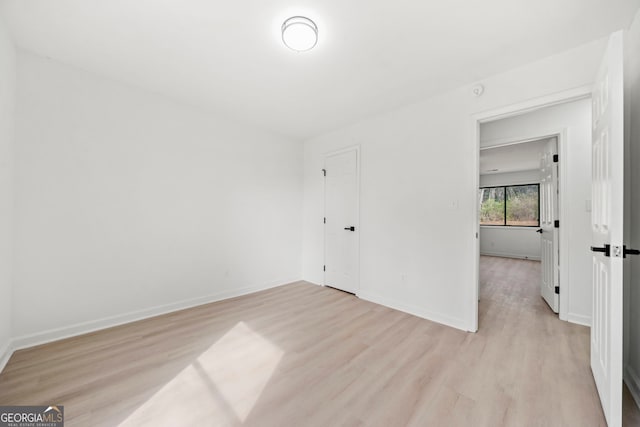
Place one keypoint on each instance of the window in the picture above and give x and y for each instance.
(510, 205)
(492, 208)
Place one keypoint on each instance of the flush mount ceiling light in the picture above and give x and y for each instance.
(299, 33)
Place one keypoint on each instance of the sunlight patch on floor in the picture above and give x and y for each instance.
(220, 387)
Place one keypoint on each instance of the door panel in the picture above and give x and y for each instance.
(341, 213)
(607, 229)
(548, 215)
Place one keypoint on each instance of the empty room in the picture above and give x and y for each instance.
(364, 213)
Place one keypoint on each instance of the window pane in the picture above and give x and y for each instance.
(492, 207)
(522, 205)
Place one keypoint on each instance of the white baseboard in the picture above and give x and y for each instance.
(579, 319)
(56, 334)
(633, 383)
(5, 354)
(416, 311)
(503, 255)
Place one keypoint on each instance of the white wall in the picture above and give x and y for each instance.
(7, 90)
(510, 178)
(128, 204)
(419, 187)
(575, 117)
(516, 242)
(511, 242)
(632, 78)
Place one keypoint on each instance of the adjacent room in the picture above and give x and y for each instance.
(511, 236)
(274, 213)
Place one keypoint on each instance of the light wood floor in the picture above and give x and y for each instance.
(303, 355)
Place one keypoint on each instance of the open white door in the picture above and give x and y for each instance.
(341, 221)
(607, 230)
(549, 286)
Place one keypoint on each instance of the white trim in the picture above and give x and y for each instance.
(501, 113)
(633, 383)
(475, 283)
(511, 181)
(504, 255)
(508, 227)
(563, 232)
(626, 272)
(534, 104)
(508, 142)
(578, 319)
(5, 354)
(312, 283)
(355, 148)
(414, 310)
(342, 150)
(56, 334)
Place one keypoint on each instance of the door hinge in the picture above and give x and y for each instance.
(325, 219)
(555, 158)
(324, 268)
(558, 290)
(324, 172)
(556, 223)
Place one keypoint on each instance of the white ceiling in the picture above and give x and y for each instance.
(372, 56)
(512, 158)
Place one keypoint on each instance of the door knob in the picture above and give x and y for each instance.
(626, 251)
(539, 230)
(606, 250)
(352, 228)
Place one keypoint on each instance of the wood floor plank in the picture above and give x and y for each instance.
(306, 355)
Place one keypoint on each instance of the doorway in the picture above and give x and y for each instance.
(569, 121)
(518, 198)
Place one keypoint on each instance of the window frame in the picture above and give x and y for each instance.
(506, 199)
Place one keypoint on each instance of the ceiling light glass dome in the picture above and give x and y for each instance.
(299, 33)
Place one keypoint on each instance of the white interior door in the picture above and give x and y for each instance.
(607, 230)
(341, 221)
(548, 231)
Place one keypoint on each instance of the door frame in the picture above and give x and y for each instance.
(355, 148)
(575, 94)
